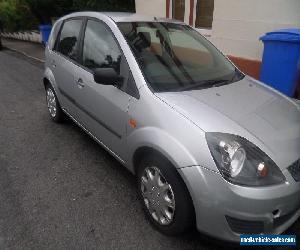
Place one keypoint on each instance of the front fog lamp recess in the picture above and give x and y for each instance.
(233, 157)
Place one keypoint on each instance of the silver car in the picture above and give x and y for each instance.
(210, 146)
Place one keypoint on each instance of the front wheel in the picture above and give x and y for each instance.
(165, 198)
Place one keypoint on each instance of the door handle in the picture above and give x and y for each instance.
(80, 83)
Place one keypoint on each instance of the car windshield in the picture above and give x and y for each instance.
(175, 57)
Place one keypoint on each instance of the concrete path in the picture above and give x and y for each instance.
(30, 49)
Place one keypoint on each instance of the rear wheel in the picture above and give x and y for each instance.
(164, 196)
(55, 111)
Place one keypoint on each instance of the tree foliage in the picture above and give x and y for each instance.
(27, 14)
(14, 15)
(108, 5)
(43, 10)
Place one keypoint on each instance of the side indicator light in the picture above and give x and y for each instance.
(132, 123)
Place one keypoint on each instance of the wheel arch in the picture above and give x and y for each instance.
(143, 151)
(46, 82)
(153, 140)
(49, 78)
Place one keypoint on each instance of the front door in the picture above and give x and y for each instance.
(103, 108)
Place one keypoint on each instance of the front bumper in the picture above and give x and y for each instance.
(225, 211)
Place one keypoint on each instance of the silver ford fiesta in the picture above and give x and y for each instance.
(210, 146)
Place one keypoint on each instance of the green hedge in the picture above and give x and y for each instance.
(16, 15)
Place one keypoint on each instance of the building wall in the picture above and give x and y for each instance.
(238, 24)
(151, 7)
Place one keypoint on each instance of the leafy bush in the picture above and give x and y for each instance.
(28, 14)
(14, 16)
(108, 5)
(43, 10)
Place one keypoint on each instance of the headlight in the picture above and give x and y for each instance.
(241, 162)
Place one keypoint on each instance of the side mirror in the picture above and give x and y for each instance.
(107, 76)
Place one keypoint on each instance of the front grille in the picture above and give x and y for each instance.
(294, 170)
(245, 226)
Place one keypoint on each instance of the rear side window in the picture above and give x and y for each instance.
(69, 38)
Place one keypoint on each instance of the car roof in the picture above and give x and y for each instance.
(123, 17)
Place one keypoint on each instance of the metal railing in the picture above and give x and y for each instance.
(32, 36)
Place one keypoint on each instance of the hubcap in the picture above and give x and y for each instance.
(158, 196)
(51, 102)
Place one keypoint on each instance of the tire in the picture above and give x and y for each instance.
(55, 111)
(180, 216)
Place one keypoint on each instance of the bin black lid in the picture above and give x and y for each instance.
(285, 35)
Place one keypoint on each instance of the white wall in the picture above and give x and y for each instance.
(151, 7)
(158, 8)
(238, 24)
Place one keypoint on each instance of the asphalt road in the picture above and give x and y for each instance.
(58, 188)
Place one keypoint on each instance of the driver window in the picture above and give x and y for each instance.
(100, 49)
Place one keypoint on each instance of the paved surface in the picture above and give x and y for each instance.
(34, 50)
(58, 188)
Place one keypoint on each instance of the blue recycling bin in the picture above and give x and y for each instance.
(45, 32)
(281, 60)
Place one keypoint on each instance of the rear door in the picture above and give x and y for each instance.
(65, 62)
(103, 108)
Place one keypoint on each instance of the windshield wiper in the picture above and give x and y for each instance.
(237, 76)
(206, 84)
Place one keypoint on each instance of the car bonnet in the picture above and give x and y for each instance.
(244, 107)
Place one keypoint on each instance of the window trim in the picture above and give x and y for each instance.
(174, 11)
(206, 31)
